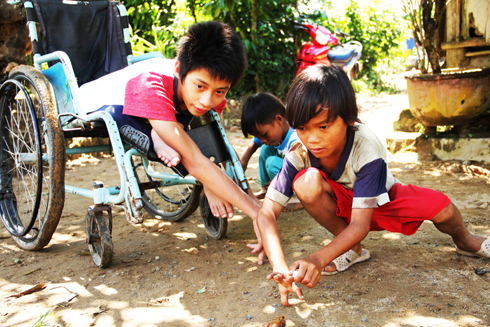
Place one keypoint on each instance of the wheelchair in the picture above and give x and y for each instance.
(81, 41)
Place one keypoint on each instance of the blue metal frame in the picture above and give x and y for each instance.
(64, 82)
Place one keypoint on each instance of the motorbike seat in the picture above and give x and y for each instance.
(340, 53)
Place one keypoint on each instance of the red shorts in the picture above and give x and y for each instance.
(409, 206)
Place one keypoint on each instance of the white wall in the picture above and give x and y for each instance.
(481, 14)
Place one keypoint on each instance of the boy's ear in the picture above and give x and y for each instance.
(279, 119)
(177, 68)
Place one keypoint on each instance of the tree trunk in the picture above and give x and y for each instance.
(14, 37)
(430, 25)
(253, 37)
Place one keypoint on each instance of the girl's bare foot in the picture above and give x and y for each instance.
(260, 195)
(293, 205)
(164, 152)
(263, 190)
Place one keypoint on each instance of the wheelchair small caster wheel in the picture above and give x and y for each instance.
(215, 226)
(99, 228)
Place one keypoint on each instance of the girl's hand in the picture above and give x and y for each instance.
(308, 270)
(286, 286)
(257, 248)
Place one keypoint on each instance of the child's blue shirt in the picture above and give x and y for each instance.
(284, 147)
(362, 168)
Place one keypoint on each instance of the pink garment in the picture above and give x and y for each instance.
(151, 95)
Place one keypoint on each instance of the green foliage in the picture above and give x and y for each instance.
(271, 39)
(162, 43)
(47, 320)
(157, 25)
(268, 31)
(379, 32)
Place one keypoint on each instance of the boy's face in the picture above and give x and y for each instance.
(322, 138)
(271, 134)
(199, 92)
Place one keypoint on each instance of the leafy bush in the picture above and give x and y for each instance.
(379, 32)
(268, 31)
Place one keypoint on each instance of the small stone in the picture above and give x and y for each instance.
(364, 319)
(249, 317)
(157, 258)
(481, 271)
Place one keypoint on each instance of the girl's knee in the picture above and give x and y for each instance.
(309, 186)
(445, 214)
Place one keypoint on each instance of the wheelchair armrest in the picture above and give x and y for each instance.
(134, 59)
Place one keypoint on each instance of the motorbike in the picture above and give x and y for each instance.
(326, 48)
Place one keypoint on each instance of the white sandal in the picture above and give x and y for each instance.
(344, 261)
(484, 251)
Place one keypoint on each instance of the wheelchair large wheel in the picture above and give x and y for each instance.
(172, 202)
(215, 226)
(32, 158)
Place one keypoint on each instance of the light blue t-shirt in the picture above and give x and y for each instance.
(284, 147)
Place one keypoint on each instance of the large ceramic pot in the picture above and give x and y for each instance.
(449, 98)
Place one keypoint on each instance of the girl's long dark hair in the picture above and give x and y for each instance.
(320, 87)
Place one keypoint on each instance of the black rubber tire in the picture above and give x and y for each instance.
(99, 229)
(215, 226)
(170, 203)
(31, 225)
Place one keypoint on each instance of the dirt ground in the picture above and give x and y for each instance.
(173, 274)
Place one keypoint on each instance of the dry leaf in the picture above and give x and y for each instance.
(33, 289)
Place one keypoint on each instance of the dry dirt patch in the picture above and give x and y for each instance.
(173, 274)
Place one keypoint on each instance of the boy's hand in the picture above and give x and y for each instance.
(286, 286)
(309, 271)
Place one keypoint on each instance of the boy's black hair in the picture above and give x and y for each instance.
(319, 88)
(260, 108)
(213, 46)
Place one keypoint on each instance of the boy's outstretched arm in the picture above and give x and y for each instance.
(267, 223)
(310, 268)
(252, 147)
(204, 170)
